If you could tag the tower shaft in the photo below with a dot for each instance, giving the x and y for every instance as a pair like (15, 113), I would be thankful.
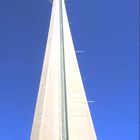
(62, 111)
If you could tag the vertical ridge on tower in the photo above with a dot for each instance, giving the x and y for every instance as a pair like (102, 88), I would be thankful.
(65, 135)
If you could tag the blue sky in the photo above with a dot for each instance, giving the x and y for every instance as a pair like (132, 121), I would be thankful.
(107, 30)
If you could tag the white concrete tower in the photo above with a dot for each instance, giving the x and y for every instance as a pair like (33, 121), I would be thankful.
(62, 111)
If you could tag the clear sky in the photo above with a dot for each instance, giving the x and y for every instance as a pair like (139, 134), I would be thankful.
(107, 30)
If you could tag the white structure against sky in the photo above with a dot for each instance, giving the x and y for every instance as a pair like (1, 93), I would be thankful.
(62, 111)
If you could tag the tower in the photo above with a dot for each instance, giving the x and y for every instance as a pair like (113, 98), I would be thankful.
(62, 111)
